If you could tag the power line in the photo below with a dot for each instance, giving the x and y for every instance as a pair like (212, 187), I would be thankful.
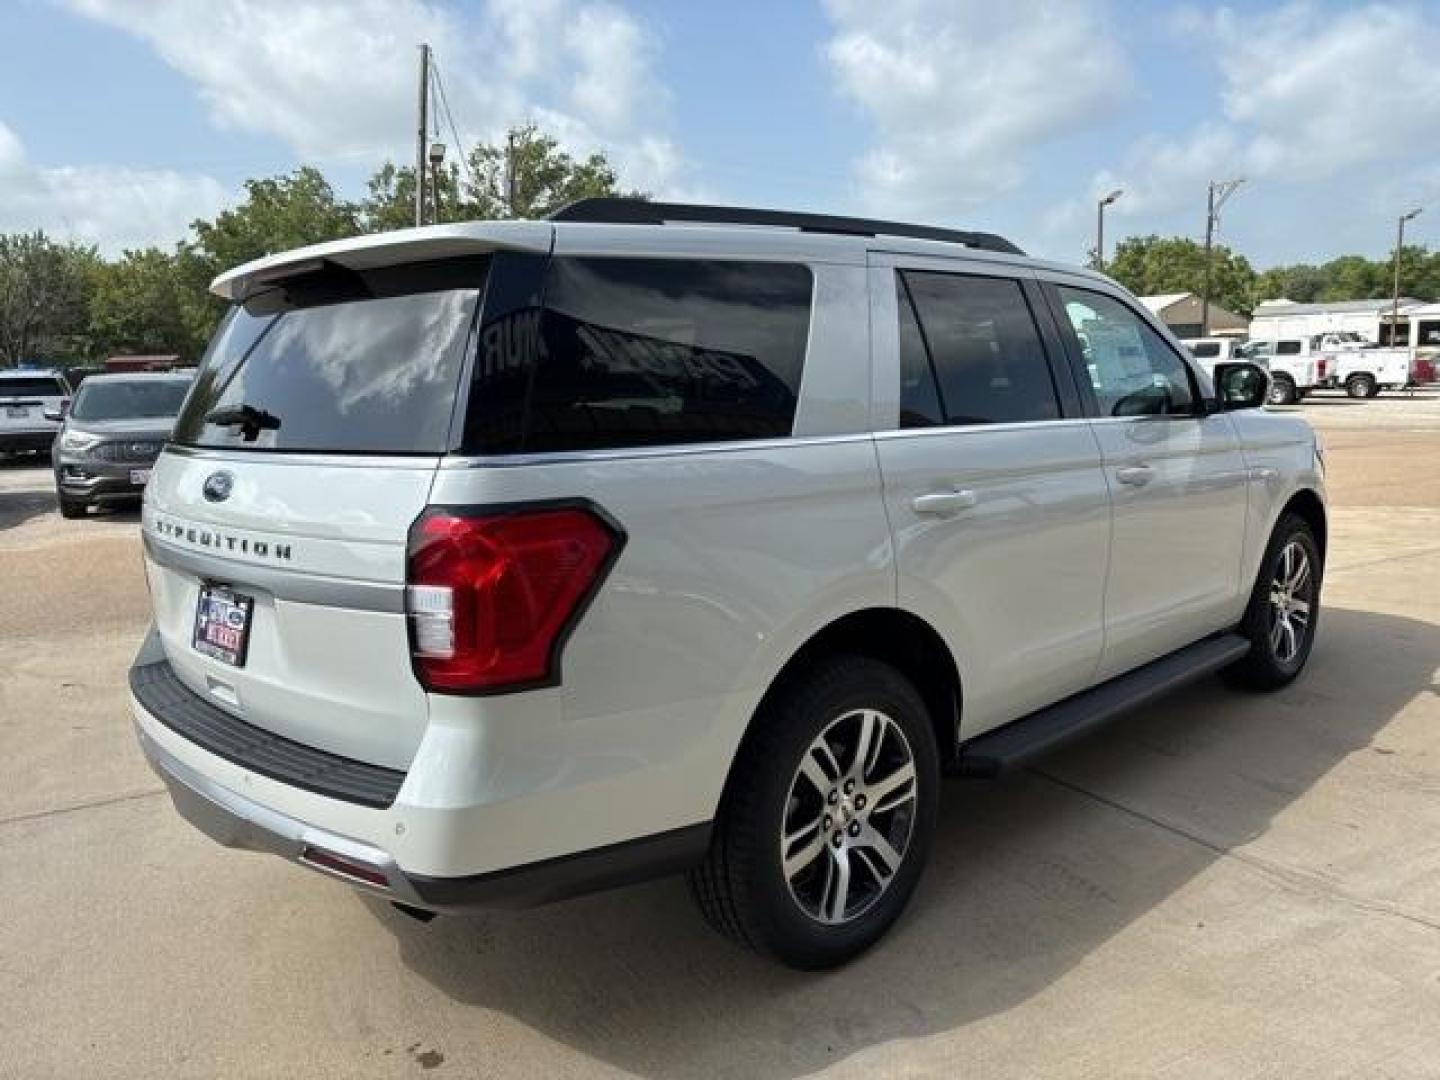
(450, 120)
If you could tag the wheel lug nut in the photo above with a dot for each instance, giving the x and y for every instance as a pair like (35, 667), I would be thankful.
(836, 839)
(859, 802)
(833, 797)
(854, 828)
(828, 821)
(849, 786)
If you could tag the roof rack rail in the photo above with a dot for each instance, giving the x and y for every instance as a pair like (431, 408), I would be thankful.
(622, 211)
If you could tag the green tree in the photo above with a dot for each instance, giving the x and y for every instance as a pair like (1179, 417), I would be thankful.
(278, 213)
(529, 176)
(143, 303)
(1147, 265)
(44, 294)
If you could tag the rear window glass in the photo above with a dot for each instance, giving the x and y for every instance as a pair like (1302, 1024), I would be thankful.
(36, 387)
(101, 399)
(637, 352)
(339, 362)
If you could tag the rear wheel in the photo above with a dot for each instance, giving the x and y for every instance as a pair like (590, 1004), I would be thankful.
(1284, 608)
(1361, 386)
(828, 817)
(1282, 391)
(73, 508)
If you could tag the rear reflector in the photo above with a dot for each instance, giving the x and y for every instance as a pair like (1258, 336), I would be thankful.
(492, 596)
(328, 860)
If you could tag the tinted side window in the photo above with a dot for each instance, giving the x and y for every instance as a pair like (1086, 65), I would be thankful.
(919, 394)
(641, 352)
(1132, 370)
(1287, 348)
(1205, 350)
(979, 343)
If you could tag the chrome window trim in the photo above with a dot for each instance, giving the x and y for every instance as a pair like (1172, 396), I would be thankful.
(302, 457)
(560, 457)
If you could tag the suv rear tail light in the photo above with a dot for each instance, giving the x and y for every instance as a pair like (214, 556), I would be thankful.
(1320, 367)
(491, 596)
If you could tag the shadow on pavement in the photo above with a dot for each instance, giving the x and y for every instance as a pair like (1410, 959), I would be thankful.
(1027, 878)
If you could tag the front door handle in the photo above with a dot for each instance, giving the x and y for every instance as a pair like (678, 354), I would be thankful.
(1135, 475)
(944, 502)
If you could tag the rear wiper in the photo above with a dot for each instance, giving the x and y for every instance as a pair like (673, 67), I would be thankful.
(248, 418)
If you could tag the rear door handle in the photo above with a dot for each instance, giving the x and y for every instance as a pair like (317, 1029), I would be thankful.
(1135, 475)
(944, 502)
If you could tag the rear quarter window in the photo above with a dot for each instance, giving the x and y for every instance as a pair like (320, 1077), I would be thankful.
(609, 353)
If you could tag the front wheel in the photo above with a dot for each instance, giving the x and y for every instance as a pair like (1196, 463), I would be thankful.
(1284, 608)
(1282, 391)
(827, 820)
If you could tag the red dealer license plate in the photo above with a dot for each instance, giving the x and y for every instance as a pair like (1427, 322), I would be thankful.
(222, 624)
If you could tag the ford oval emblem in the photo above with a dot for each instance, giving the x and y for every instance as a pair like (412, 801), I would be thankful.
(217, 486)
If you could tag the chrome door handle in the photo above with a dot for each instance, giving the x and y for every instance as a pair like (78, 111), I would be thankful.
(944, 502)
(1135, 475)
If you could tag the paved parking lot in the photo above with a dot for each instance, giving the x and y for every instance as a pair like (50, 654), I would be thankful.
(1221, 885)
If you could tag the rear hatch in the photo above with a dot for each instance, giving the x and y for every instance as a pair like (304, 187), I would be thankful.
(24, 400)
(276, 520)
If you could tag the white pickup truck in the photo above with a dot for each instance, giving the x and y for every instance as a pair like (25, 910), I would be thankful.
(1363, 373)
(1296, 365)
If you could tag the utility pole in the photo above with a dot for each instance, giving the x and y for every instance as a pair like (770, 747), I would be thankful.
(510, 172)
(424, 109)
(1395, 296)
(1220, 190)
(1100, 227)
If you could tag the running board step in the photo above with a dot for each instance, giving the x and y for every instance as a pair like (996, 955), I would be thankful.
(999, 751)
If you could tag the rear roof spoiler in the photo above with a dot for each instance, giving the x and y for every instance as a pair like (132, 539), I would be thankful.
(388, 249)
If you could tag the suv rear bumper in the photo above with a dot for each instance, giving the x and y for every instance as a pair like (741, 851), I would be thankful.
(237, 822)
(231, 790)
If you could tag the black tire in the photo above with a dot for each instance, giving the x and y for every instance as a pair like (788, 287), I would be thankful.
(742, 887)
(73, 508)
(1282, 391)
(1271, 664)
(1361, 386)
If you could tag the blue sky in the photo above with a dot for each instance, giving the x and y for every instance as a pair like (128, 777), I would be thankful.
(121, 120)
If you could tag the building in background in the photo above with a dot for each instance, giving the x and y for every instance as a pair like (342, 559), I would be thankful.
(1181, 313)
(1370, 319)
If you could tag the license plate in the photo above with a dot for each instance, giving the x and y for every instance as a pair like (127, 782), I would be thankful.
(139, 477)
(222, 624)
(16, 411)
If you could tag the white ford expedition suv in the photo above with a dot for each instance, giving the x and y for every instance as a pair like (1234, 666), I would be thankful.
(496, 562)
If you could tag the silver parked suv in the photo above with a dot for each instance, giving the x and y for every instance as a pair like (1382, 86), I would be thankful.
(496, 562)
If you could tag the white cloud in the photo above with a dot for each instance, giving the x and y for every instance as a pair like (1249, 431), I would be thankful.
(1307, 96)
(335, 80)
(961, 92)
(113, 208)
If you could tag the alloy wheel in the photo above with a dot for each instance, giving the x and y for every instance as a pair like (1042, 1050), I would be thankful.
(1291, 600)
(849, 816)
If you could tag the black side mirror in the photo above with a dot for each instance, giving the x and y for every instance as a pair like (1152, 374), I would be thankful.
(1240, 386)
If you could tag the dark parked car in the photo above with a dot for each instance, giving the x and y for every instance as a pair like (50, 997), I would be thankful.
(111, 437)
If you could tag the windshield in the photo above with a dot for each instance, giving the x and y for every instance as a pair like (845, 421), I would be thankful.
(131, 399)
(339, 362)
(40, 386)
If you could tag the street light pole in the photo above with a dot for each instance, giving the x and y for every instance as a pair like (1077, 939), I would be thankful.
(423, 118)
(1220, 190)
(1395, 295)
(1100, 227)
